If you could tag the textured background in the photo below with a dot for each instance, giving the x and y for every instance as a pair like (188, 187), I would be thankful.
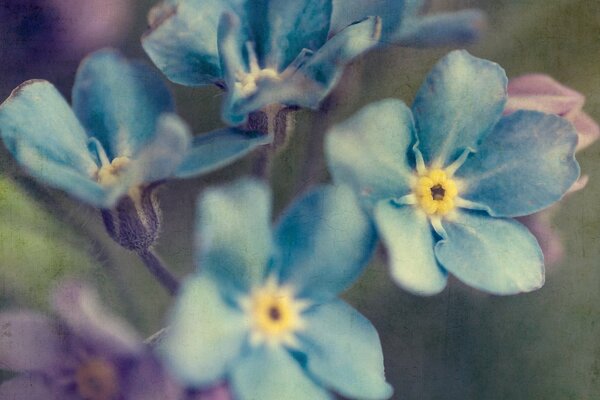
(460, 344)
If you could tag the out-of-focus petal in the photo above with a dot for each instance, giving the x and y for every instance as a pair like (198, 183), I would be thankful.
(28, 387)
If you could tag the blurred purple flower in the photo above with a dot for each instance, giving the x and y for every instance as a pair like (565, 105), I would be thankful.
(88, 355)
(540, 92)
(46, 38)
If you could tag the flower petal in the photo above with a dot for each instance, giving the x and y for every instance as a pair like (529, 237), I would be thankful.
(28, 387)
(161, 157)
(234, 234)
(283, 29)
(460, 101)
(28, 342)
(182, 40)
(370, 151)
(408, 238)
(271, 373)
(346, 12)
(205, 335)
(325, 241)
(80, 308)
(343, 352)
(149, 381)
(587, 129)
(119, 102)
(217, 149)
(36, 116)
(443, 29)
(526, 164)
(327, 64)
(496, 255)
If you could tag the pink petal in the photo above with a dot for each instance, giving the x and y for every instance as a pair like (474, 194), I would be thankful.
(587, 128)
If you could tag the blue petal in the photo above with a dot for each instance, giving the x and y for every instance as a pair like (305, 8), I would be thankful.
(205, 334)
(461, 27)
(343, 352)
(496, 255)
(327, 64)
(271, 373)
(393, 12)
(160, 158)
(282, 29)
(234, 234)
(119, 102)
(369, 151)
(182, 40)
(460, 101)
(526, 164)
(408, 238)
(217, 149)
(324, 241)
(37, 117)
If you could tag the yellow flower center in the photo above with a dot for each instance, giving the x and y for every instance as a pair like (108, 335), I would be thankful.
(97, 380)
(274, 314)
(108, 174)
(247, 82)
(435, 192)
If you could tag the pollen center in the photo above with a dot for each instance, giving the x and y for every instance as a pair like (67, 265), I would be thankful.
(247, 82)
(435, 192)
(108, 174)
(274, 313)
(97, 380)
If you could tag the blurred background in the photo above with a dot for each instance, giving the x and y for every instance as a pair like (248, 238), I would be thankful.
(460, 344)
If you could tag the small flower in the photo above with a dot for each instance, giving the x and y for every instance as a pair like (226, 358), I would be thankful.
(265, 53)
(444, 180)
(120, 137)
(403, 22)
(262, 312)
(86, 355)
(542, 93)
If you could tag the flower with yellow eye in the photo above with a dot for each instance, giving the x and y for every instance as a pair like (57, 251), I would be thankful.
(444, 180)
(263, 314)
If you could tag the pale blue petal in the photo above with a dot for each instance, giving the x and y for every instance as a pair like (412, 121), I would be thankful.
(409, 240)
(460, 27)
(162, 156)
(496, 255)
(217, 149)
(369, 151)
(182, 40)
(58, 175)
(234, 234)
(327, 64)
(460, 101)
(343, 352)
(525, 164)
(325, 241)
(37, 117)
(271, 373)
(393, 12)
(205, 334)
(282, 29)
(119, 102)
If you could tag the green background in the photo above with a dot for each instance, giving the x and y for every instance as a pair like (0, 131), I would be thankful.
(461, 344)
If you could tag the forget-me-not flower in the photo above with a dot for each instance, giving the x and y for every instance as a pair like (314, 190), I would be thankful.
(262, 313)
(404, 24)
(444, 180)
(86, 354)
(264, 53)
(121, 135)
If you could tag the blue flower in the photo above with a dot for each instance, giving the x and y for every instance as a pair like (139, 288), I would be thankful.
(444, 180)
(262, 52)
(403, 23)
(262, 312)
(121, 134)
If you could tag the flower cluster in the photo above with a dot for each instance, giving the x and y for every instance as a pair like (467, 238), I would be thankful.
(442, 185)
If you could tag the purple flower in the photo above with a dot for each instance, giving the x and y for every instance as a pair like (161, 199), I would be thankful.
(540, 92)
(86, 355)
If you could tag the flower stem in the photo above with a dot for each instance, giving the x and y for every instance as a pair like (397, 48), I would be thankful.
(157, 267)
